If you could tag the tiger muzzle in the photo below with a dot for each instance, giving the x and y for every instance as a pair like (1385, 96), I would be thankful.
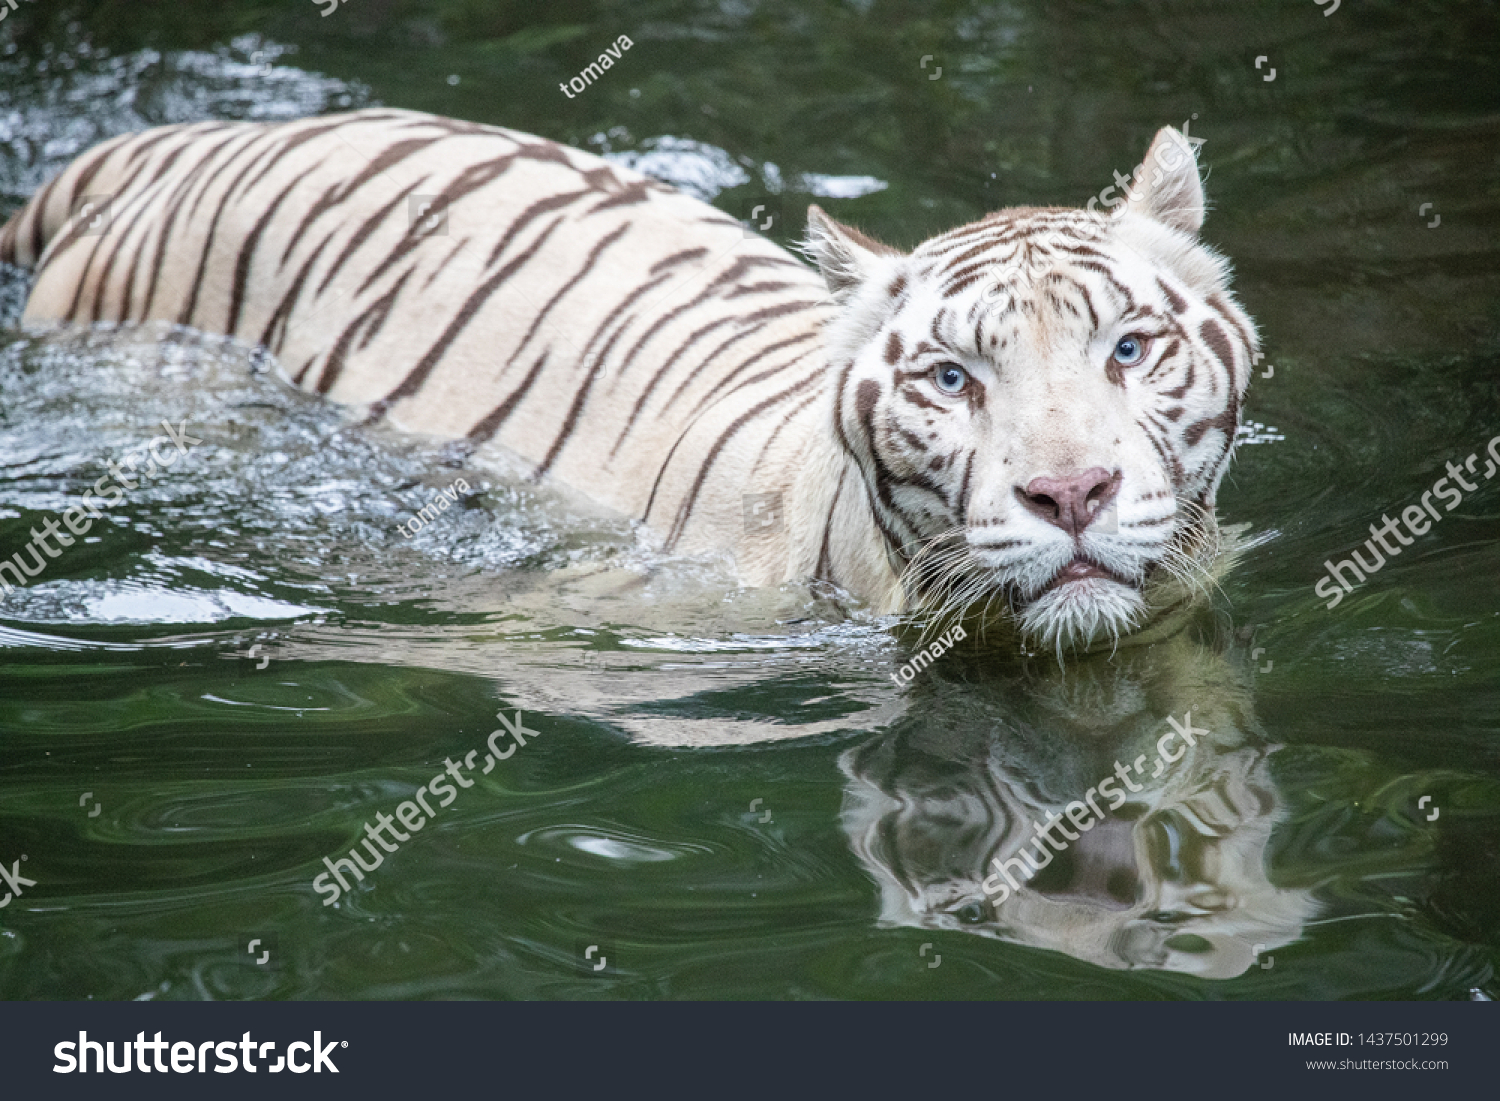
(1073, 503)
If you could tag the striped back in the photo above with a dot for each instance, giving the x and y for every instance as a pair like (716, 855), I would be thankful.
(463, 281)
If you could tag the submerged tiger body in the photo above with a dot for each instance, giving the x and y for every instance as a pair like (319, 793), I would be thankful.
(942, 430)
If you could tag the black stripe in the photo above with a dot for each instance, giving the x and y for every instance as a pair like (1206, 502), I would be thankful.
(666, 318)
(374, 317)
(382, 310)
(982, 247)
(1227, 312)
(1168, 459)
(491, 423)
(532, 212)
(786, 419)
(281, 315)
(760, 288)
(753, 319)
(677, 258)
(36, 211)
(142, 205)
(286, 145)
(961, 277)
(1225, 421)
(362, 234)
(1177, 392)
(963, 492)
(546, 151)
(824, 571)
(570, 422)
(1175, 300)
(1166, 360)
(251, 135)
(413, 381)
(1109, 277)
(721, 384)
(185, 317)
(866, 395)
(469, 180)
(662, 470)
(76, 231)
(685, 510)
(584, 269)
(626, 196)
(246, 256)
(458, 246)
(171, 222)
(760, 377)
(1217, 339)
(340, 192)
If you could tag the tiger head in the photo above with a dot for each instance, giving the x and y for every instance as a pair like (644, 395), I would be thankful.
(1043, 402)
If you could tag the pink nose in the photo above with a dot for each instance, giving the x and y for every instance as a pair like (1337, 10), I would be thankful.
(1071, 503)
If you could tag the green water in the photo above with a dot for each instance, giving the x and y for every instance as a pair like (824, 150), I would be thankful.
(727, 794)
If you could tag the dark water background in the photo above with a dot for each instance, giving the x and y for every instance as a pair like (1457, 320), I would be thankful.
(740, 870)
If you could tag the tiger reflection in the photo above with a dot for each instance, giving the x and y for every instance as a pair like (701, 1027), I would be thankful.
(949, 811)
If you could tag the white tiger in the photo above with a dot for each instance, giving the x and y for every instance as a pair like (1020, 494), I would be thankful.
(1024, 420)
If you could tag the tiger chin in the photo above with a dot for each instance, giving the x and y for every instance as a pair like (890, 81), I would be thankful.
(1020, 424)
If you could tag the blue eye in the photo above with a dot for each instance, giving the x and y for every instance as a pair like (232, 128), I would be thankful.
(971, 913)
(950, 378)
(1132, 349)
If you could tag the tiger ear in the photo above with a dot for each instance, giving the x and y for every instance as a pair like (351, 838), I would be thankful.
(844, 255)
(1166, 185)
